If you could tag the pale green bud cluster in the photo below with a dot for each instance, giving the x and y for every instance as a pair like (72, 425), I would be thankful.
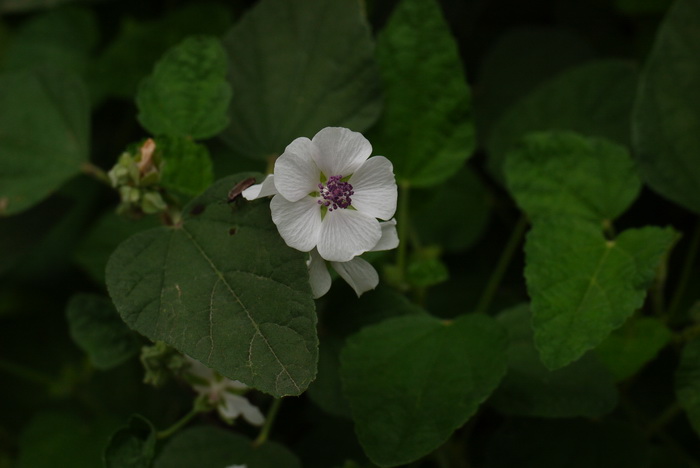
(137, 177)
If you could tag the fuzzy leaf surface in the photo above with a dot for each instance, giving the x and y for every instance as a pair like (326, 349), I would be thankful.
(428, 377)
(427, 127)
(566, 174)
(187, 94)
(584, 286)
(223, 288)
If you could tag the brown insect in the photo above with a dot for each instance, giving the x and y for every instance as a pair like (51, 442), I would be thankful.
(237, 189)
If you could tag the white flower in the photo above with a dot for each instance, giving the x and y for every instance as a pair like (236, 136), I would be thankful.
(237, 466)
(224, 394)
(358, 273)
(328, 194)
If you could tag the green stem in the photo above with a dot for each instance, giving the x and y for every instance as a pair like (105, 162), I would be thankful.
(196, 409)
(403, 229)
(673, 314)
(502, 266)
(96, 173)
(269, 420)
(26, 373)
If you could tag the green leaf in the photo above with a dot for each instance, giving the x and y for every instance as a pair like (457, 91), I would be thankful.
(631, 346)
(298, 66)
(27, 5)
(132, 446)
(533, 54)
(583, 388)
(129, 58)
(223, 288)
(58, 438)
(427, 127)
(532, 443)
(688, 382)
(102, 239)
(187, 94)
(98, 330)
(44, 125)
(594, 99)
(666, 120)
(61, 38)
(211, 447)
(411, 381)
(188, 167)
(584, 286)
(565, 174)
(465, 193)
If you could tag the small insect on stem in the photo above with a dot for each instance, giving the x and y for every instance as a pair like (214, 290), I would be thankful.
(237, 189)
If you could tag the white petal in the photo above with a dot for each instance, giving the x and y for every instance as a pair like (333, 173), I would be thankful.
(375, 188)
(347, 233)
(319, 277)
(299, 223)
(341, 151)
(296, 173)
(358, 273)
(265, 189)
(235, 384)
(390, 238)
(236, 404)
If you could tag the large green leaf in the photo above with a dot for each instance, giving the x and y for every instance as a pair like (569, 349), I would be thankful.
(666, 125)
(187, 94)
(427, 127)
(98, 330)
(44, 124)
(631, 346)
(224, 288)
(594, 99)
(211, 447)
(583, 286)
(296, 67)
(688, 382)
(583, 388)
(411, 381)
(565, 174)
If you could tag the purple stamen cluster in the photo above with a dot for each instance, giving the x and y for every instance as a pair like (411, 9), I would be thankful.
(335, 193)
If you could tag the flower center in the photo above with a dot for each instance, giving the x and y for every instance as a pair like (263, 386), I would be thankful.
(335, 193)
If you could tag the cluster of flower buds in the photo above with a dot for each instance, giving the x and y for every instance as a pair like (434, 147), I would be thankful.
(137, 176)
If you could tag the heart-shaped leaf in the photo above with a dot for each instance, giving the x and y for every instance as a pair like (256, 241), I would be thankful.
(222, 287)
(427, 378)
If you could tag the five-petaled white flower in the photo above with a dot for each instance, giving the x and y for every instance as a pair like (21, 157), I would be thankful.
(330, 195)
(224, 393)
